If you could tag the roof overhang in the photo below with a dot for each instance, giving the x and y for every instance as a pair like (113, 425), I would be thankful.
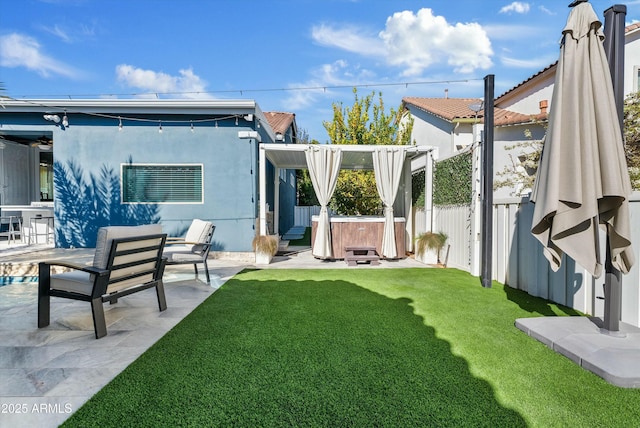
(131, 106)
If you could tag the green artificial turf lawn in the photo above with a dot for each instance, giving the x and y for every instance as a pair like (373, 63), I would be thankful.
(358, 347)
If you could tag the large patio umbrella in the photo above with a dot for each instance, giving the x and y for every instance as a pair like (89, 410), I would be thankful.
(582, 179)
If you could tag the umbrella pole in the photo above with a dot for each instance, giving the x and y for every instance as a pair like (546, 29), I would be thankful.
(614, 49)
(612, 296)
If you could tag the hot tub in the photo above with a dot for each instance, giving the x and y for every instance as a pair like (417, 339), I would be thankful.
(360, 231)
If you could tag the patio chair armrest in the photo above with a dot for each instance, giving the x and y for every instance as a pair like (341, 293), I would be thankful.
(85, 268)
(179, 241)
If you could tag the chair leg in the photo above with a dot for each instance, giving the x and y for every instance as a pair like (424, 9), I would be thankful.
(206, 271)
(162, 301)
(195, 268)
(44, 284)
(99, 323)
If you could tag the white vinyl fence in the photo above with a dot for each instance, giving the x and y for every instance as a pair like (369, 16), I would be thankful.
(518, 260)
(302, 215)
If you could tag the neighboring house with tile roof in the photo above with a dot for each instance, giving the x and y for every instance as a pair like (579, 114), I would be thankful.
(450, 125)
(520, 114)
(284, 126)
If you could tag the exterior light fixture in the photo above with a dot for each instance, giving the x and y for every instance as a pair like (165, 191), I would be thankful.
(52, 118)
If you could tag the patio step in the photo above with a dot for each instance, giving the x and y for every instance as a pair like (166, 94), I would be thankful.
(295, 233)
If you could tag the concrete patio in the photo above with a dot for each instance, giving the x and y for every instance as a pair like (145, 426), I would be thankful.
(47, 374)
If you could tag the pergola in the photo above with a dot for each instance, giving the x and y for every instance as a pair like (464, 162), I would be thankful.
(352, 157)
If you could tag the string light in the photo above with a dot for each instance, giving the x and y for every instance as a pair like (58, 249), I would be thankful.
(243, 91)
(65, 119)
(56, 119)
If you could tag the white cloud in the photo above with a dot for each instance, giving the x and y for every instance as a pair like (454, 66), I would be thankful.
(517, 7)
(185, 85)
(337, 74)
(17, 50)
(418, 41)
(415, 42)
(531, 63)
(59, 32)
(349, 38)
(545, 10)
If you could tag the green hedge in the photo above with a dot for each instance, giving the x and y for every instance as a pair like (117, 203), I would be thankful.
(452, 181)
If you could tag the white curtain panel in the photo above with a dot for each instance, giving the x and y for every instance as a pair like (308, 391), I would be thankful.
(324, 166)
(388, 165)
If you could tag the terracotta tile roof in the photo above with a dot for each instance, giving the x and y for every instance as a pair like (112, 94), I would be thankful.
(503, 117)
(279, 121)
(446, 108)
(458, 108)
(632, 27)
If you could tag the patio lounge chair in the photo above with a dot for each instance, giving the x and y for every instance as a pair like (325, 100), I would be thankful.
(193, 248)
(127, 259)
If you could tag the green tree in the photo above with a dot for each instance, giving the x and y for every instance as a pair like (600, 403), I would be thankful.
(365, 122)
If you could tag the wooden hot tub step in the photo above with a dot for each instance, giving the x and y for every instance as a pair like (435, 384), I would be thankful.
(354, 254)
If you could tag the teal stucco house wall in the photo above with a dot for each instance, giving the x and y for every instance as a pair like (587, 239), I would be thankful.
(122, 162)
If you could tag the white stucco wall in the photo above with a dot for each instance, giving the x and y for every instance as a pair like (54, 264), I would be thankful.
(527, 100)
(445, 136)
(631, 62)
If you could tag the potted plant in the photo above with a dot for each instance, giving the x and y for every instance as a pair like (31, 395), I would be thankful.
(265, 247)
(428, 246)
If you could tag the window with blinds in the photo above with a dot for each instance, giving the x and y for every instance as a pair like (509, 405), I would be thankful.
(144, 183)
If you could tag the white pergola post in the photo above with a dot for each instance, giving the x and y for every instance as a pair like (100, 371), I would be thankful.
(428, 192)
(276, 201)
(262, 167)
(408, 206)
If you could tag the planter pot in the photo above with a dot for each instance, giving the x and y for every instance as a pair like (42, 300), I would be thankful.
(263, 258)
(429, 257)
(265, 248)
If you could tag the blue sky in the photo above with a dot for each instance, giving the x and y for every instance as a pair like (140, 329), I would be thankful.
(298, 56)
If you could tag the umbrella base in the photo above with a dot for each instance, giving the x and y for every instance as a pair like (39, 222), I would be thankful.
(583, 341)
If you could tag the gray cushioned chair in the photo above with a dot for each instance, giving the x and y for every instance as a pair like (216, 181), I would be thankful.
(193, 248)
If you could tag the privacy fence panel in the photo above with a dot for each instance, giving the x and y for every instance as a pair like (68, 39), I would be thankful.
(302, 215)
(519, 263)
(454, 221)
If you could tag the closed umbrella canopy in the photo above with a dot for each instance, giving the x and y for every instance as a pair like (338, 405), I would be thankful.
(582, 179)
